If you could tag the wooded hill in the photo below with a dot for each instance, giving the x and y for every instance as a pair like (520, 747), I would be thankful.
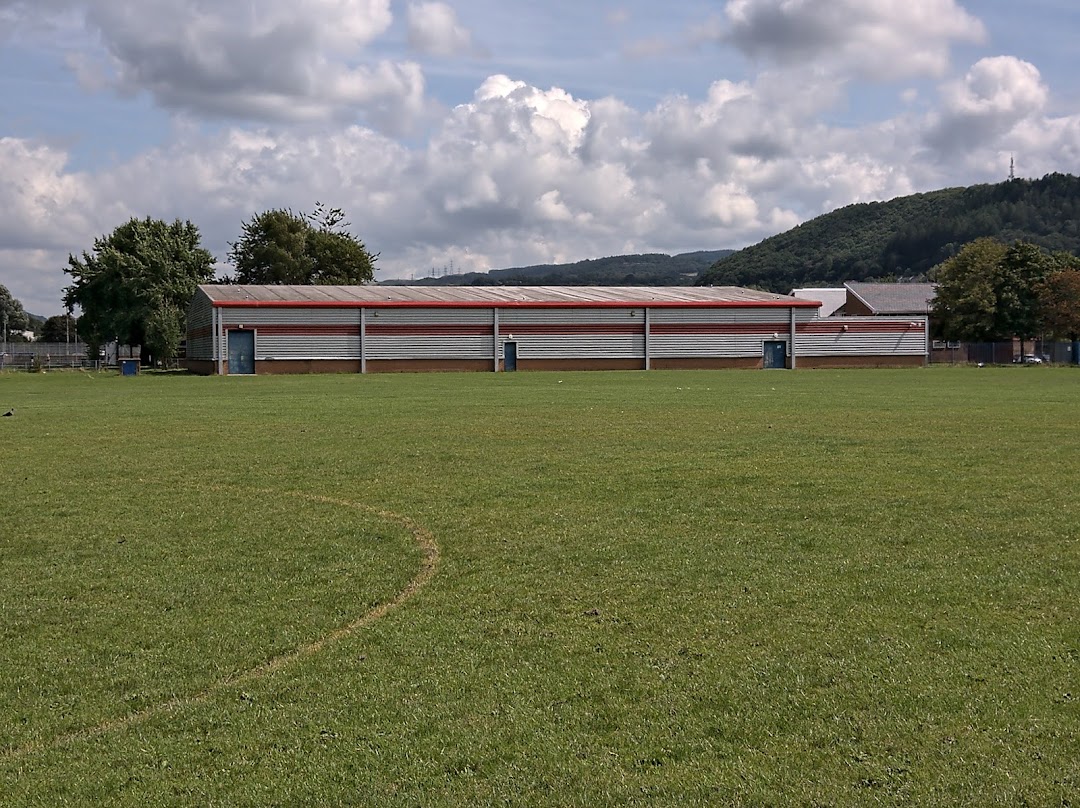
(907, 236)
(650, 269)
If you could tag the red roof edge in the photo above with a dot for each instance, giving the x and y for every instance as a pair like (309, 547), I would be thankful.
(511, 304)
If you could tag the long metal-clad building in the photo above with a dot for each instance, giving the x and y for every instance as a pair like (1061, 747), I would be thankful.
(363, 329)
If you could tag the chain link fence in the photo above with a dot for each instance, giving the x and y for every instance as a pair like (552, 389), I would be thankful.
(33, 356)
(1032, 352)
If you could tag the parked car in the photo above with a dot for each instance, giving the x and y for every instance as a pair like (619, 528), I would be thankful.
(1028, 359)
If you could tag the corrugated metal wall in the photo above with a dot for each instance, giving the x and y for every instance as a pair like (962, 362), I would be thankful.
(720, 316)
(252, 317)
(862, 336)
(431, 347)
(727, 332)
(296, 346)
(443, 333)
(200, 330)
(574, 333)
(555, 316)
(551, 333)
(283, 333)
(701, 345)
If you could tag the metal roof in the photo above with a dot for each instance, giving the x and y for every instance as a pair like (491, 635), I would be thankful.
(229, 295)
(894, 298)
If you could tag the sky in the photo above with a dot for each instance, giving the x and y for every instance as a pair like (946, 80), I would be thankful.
(484, 134)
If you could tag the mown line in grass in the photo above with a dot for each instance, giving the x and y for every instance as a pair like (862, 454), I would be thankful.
(425, 540)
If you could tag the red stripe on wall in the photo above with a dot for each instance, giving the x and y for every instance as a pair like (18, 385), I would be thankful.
(420, 329)
(857, 328)
(571, 328)
(719, 328)
(469, 330)
(307, 330)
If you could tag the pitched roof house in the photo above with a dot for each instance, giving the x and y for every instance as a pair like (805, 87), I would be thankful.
(897, 299)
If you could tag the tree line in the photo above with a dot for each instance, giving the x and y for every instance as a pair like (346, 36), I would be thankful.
(134, 285)
(643, 269)
(908, 236)
(990, 291)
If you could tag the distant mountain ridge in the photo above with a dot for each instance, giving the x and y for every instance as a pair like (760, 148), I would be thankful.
(907, 236)
(646, 269)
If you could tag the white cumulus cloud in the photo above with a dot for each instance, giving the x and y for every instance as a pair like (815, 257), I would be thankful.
(996, 95)
(879, 39)
(262, 60)
(434, 29)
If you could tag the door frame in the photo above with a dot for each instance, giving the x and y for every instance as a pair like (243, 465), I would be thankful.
(228, 349)
(510, 349)
(770, 350)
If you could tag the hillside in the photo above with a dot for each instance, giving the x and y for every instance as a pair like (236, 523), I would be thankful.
(907, 236)
(650, 269)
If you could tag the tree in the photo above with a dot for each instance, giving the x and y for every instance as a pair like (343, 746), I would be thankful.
(281, 247)
(13, 318)
(1059, 303)
(60, 328)
(1023, 268)
(164, 330)
(987, 291)
(966, 306)
(143, 272)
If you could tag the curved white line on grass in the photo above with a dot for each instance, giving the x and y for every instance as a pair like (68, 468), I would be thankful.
(428, 564)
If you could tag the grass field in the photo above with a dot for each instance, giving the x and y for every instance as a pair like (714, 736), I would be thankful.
(684, 588)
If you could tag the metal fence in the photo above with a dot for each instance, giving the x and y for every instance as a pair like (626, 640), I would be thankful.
(44, 355)
(37, 356)
(1033, 352)
(55, 355)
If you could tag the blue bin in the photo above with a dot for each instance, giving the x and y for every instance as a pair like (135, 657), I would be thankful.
(129, 367)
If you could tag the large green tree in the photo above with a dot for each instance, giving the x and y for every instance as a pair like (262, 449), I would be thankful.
(988, 291)
(136, 284)
(282, 247)
(1059, 302)
(59, 328)
(965, 306)
(1023, 268)
(12, 314)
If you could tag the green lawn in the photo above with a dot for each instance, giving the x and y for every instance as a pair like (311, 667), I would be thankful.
(663, 588)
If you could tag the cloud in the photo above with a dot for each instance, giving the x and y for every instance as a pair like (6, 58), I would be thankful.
(618, 16)
(433, 29)
(887, 39)
(520, 174)
(995, 96)
(649, 48)
(265, 60)
(40, 202)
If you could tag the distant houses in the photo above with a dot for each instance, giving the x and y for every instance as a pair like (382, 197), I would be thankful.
(856, 299)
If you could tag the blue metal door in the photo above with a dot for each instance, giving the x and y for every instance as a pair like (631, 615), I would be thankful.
(241, 352)
(775, 354)
(510, 356)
